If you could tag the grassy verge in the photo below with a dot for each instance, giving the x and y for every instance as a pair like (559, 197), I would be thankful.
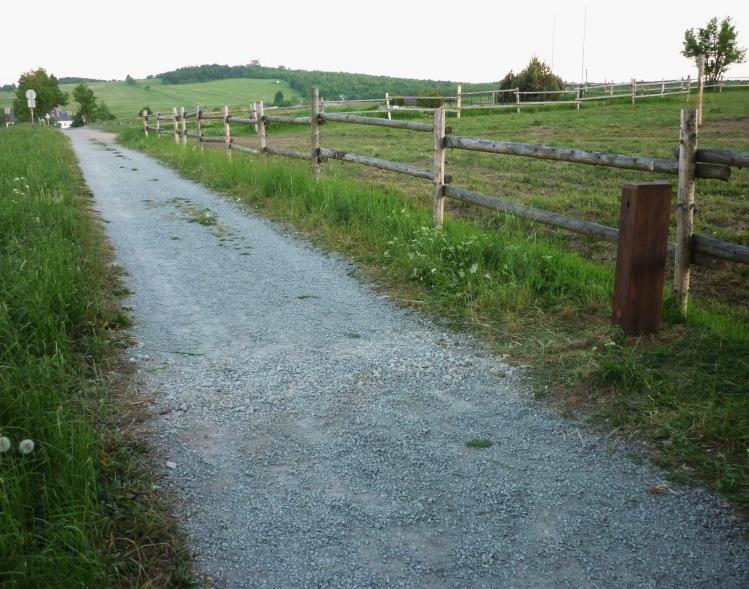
(79, 510)
(682, 392)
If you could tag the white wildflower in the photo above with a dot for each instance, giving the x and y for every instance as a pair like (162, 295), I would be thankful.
(26, 446)
(4, 444)
(474, 268)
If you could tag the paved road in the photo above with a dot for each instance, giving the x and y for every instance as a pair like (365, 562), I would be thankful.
(316, 433)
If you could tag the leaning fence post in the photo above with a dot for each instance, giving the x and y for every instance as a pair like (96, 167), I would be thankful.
(641, 254)
(387, 106)
(175, 124)
(314, 94)
(145, 122)
(438, 200)
(260, 118)
(700, 86)
(685, 206)
(459, 99)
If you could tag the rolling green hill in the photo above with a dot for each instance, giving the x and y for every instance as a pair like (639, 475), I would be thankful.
(125, 100)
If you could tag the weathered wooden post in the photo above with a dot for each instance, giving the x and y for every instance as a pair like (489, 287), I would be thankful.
(689, 86)
(158, 123)
(459, 100)
(183, 125)
(517, 100)
(700, 86)
(227, 130)
(663, 87)
(314, 94)
(577, 99)
(388, 107)
(145, 122)
(438, 200)
(260, 118)
(199, 118)
(175, 124)
(634, 90)
(641, 256)
(685, 206)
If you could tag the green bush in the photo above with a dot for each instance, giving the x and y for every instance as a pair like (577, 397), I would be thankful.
(537, 76)
(430, 99)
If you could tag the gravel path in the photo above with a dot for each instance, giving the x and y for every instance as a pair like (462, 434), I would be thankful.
(317, 433)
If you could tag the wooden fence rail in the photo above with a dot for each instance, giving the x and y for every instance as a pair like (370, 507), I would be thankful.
(692, 164)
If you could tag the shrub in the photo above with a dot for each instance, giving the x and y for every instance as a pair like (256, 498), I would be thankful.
(430, 99)
(278, 99)
(537, 76)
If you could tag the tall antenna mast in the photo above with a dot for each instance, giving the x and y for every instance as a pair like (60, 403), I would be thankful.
(582, 65)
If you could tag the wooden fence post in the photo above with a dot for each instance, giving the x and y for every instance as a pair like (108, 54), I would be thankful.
(700, 86)
(438, 200)
(685, 206)
(183, 121)
(158, 124)
(227, 130)
(517, 100)
(175, 124)
(198, 118)
(459, 99)
(641, 256)
(634, 90)
(314, 94)
(663, 87)
(145, 122)
(388, 108)
(577, 99)
(260, 118)
(689, 86)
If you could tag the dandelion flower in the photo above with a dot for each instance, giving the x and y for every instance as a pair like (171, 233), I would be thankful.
(26, 446)
(4, 444)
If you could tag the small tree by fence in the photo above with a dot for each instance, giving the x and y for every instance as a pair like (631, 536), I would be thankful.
(692, 164)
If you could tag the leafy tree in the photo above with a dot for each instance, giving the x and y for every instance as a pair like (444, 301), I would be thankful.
(102, 112)
(48, 94)
(278, 99)
(435, 102)
(130, 81)
(86, 100)
(8, 87)
(717, 42)
(537, 76)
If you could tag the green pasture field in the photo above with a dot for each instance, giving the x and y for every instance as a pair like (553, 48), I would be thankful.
(540, 295)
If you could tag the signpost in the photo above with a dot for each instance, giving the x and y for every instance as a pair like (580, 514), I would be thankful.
(31, 102)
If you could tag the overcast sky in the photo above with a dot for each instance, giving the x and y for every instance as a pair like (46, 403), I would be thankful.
(456, 40)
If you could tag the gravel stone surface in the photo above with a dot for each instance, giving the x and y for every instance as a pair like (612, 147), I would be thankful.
(316, 433)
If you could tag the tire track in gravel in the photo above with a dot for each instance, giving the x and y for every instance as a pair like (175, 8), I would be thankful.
(319, 431)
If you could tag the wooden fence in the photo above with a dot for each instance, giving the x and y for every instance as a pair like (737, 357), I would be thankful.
(692, 164)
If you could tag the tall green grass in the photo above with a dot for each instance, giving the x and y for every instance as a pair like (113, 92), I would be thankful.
(684, 391)
(58, 505)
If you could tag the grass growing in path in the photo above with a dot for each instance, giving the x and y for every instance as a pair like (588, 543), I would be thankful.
(684, 391)
(78, 511)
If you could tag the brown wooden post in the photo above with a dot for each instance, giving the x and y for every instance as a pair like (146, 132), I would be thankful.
(685, 206)
(183, 126)
(227, 130)
(260, 117)
(175, 124)
(145, 122)
(641, 256)
(314, 94)
(459, 100)
(158, 124)
(198, 118)
(438, 200)
(700, 86)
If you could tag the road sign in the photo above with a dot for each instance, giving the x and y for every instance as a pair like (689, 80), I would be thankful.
(31, 103)
(30, 94)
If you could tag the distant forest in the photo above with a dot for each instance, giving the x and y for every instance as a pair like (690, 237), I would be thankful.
(333, 85)
(74, 80)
